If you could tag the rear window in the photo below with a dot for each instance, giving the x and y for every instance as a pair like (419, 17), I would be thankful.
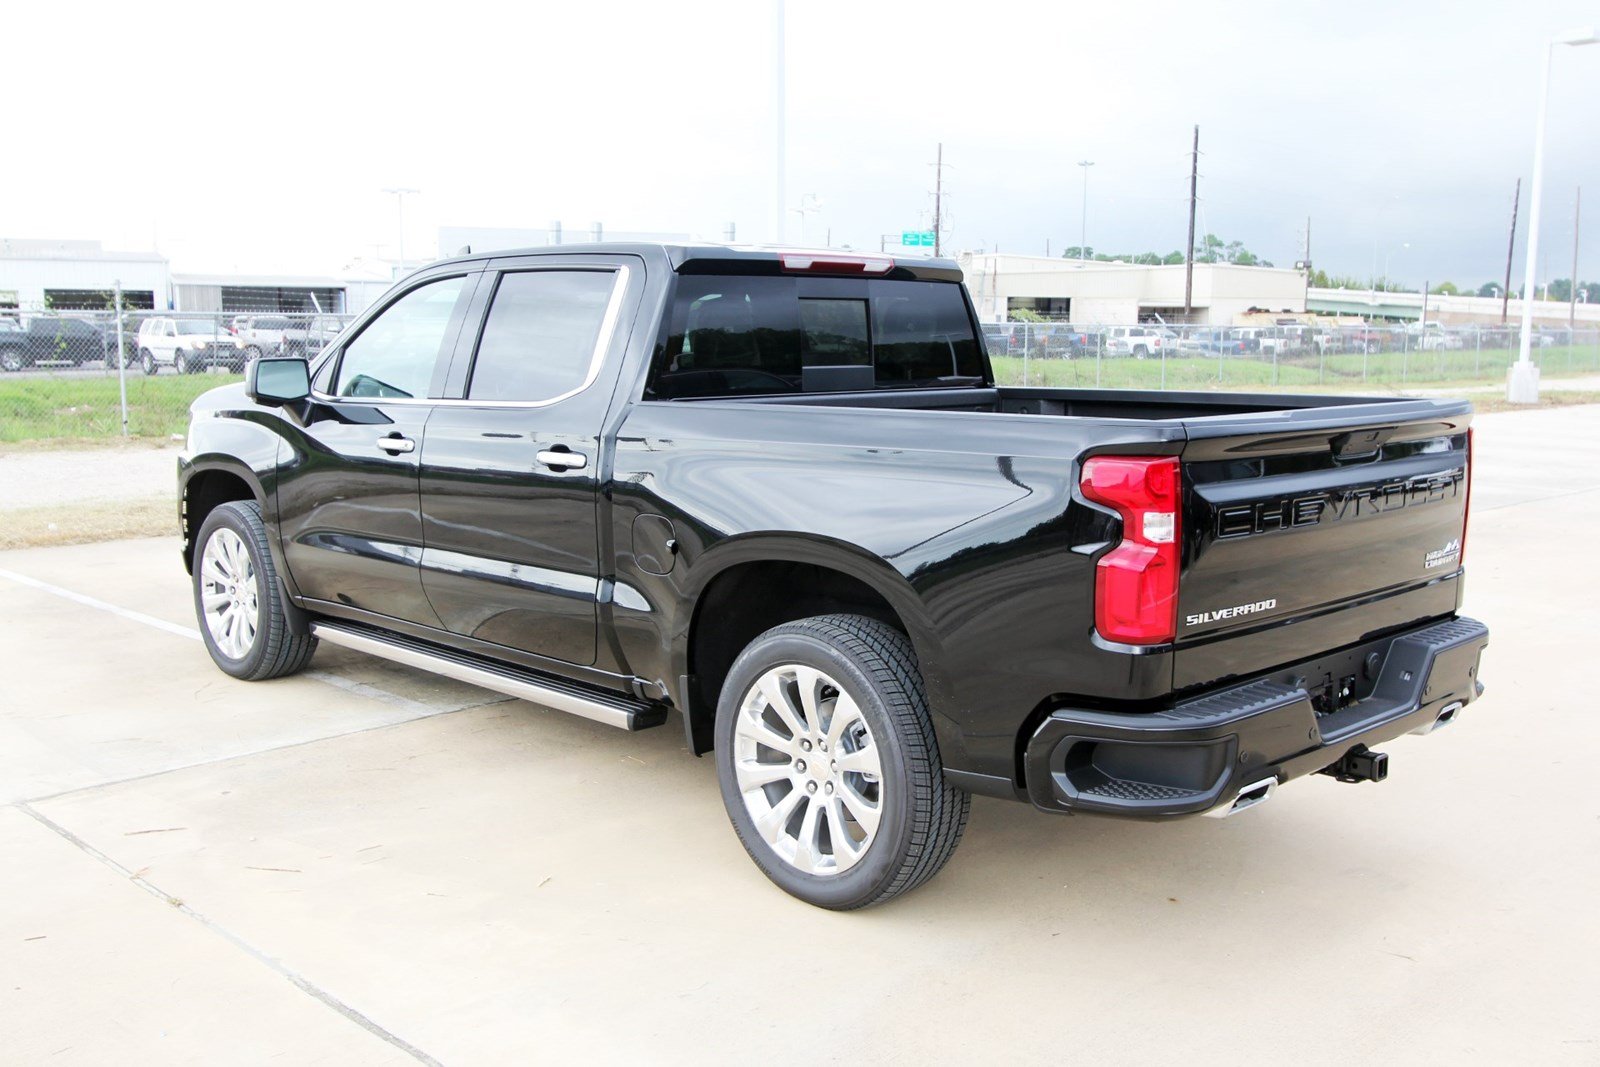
(742, 335)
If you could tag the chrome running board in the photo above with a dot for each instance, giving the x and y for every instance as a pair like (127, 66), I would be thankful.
(612, 709)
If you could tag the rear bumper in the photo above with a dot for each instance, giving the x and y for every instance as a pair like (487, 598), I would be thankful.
(1197, 756)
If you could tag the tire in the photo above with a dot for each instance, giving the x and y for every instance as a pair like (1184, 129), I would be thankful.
(232, 561)
(147, 360)
(10, 359)
(180, 362)
(1140, 352)
(917, 817)
(251, 354)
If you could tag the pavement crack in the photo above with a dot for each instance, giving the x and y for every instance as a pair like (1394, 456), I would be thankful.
(301, 983)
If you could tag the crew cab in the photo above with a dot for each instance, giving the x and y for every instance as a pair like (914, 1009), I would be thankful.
(777, 497)
(50, 340)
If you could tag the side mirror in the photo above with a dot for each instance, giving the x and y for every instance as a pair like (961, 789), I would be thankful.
(278, 380)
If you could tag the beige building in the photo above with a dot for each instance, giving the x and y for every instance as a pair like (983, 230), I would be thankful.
(1109, 293)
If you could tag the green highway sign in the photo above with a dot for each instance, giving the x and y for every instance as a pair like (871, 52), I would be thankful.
(916, 238)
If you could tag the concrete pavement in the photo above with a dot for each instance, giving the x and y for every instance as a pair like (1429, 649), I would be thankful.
(366, 864)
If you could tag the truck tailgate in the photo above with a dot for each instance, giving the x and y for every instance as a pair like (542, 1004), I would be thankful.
(1326, 529)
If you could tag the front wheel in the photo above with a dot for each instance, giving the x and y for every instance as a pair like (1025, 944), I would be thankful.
(180, 362)
(828, 765)
(10, 359)
(147, 360)
(238, 600)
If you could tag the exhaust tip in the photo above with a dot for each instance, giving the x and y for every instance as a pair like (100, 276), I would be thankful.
(1446, 716)
(1250, 796)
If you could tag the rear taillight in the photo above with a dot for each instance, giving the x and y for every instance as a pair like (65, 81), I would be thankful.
(1136, 583)
(1466, 510)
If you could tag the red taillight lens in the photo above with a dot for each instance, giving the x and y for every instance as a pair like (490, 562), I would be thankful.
(1466, 510)
(1136, 583)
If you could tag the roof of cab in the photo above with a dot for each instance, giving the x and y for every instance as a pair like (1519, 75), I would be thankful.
(718, 258)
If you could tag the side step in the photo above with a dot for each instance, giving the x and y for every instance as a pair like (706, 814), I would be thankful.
(613, 709)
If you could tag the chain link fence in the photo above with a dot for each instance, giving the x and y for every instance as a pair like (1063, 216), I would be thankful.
(85, 374)
(1298, 358)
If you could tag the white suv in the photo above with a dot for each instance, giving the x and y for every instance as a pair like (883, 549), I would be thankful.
(1138, 341)
(187, 345)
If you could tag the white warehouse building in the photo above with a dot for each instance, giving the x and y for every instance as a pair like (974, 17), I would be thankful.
(1109, 293)
(77, 276)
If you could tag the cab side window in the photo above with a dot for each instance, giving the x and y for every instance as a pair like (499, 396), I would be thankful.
(538, 342)
(395, 354)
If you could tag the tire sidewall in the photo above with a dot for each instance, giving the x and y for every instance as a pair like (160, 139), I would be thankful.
(865, 881)
(222, 517)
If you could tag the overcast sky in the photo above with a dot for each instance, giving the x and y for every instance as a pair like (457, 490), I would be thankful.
(259, 138)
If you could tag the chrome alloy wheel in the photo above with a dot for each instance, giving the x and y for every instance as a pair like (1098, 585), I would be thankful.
(229, 594)
(808, 769)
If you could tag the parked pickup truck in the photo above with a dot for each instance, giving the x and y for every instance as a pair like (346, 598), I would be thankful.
(777, 496)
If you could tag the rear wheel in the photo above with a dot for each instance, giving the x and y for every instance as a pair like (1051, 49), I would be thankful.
(828, 765)
(239, 601)
(10, 359)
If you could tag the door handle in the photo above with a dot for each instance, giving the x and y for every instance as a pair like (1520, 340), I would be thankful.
(563, 460)
(395, 444)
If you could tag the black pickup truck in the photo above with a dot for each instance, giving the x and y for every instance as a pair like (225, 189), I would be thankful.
(779, 493)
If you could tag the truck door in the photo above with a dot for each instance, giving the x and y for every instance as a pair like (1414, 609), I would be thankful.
(348, 499)
(511, 466)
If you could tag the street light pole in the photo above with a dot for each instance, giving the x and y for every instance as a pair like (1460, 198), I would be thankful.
(400, 223)
(1522, 385)
(1083, 232)
(780, 224)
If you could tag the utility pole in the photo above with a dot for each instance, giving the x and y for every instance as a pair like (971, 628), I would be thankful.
(1511, 248)
(780, 221)
(1572, 297)
(400, 231)
(1083, 233)
(938, 199)
(1188, 257)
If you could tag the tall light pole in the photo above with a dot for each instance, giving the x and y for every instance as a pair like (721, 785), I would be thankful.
(400, 223)
(780, 222)
(1083, 231)
(1522, 386)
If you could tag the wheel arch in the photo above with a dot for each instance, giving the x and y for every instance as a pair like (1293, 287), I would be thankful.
(206, 485)
(746, 585)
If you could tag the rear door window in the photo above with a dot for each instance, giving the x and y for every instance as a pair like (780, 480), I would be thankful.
(539, 340)
(744, 335)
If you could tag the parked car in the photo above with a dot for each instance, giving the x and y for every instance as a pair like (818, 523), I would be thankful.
(269, 335)
(1432, 337)
(1138, 341)
(188, 345)
(1216, 342)
(321, 330)
(1117, 604)
(1369, 339)
(1327, 342)
(50, 340)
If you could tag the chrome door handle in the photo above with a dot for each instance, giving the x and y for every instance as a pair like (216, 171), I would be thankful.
(563, 461)
(396, 444)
